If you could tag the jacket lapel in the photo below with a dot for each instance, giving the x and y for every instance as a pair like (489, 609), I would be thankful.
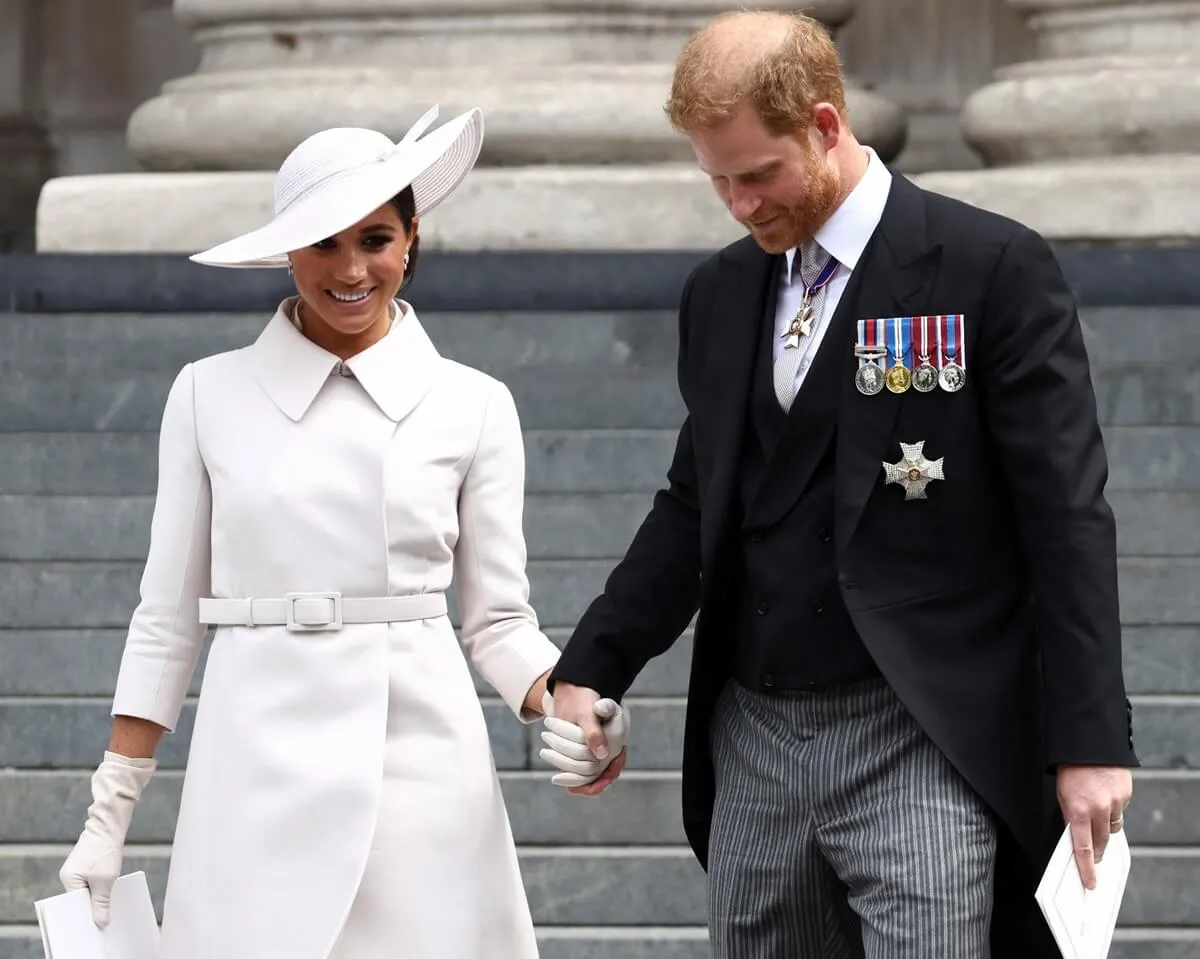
(900, 268)
(735, 320)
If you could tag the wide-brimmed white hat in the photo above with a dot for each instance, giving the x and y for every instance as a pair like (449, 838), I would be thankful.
(336, 177)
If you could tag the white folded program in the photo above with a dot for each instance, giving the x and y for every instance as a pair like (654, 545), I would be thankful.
(1083, 920)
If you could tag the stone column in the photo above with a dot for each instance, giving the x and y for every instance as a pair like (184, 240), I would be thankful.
(23, 142)
(1098, 139)
(577, 155)
(877, 121)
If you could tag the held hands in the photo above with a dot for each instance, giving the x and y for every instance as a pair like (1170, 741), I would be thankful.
(589, 752)
(95, 862)
(1093, 801)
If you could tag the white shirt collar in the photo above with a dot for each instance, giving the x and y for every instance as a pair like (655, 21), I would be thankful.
(396, 372)
(846, 233)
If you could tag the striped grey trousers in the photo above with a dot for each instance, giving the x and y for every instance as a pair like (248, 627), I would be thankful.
(841, 832)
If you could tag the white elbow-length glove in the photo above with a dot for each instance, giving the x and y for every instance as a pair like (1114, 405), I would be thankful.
(566, 747)
(95, 862)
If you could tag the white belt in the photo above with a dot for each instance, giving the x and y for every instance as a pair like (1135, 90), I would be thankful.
(310, 612)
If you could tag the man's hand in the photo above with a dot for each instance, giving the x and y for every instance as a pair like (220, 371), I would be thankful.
(577, 704)
(581, 742)
(1093, 801)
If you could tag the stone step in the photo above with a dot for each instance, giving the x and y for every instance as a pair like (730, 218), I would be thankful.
(582, 370)
(52, 733)
(112, 463)
(1153, 591)
(1151, 394)
(547, 397)
(559, 396)
(74, 344)
(97, 594)
(642, 808)
(1163, 458)
(53, 345)
(659, 886)
(1141, 335)
(84, 662)
(688, 942)
(557, 525)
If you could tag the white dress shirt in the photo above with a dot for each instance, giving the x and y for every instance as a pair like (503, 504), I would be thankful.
(844, 236)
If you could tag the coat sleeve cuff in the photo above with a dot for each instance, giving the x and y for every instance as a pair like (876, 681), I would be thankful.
(512, 663)
(146, 691)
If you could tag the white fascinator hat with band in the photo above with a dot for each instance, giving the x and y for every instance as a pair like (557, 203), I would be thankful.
(338, 176)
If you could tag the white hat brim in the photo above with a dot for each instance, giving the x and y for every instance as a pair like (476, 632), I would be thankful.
(433, 166)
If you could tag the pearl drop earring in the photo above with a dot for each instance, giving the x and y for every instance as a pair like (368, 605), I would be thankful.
(406, 261)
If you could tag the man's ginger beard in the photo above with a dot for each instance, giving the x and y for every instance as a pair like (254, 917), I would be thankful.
(800, 220)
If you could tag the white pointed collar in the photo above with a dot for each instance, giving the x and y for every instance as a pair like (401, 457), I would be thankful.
(396, 372)
(846, 233)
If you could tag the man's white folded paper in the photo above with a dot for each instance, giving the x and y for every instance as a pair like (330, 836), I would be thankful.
(1083, 920)
(69, 930)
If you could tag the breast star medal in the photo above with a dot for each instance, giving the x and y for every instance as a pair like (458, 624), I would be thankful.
(913, 471)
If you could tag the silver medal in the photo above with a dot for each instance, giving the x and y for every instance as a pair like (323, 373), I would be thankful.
(952, 377)
(925, 377)
(869, 378)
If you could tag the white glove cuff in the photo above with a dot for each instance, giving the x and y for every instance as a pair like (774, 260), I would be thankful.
(117, 785)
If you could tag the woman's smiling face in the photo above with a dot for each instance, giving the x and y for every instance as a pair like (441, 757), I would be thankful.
(348, 281)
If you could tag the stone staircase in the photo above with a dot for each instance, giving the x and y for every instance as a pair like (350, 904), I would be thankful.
(80, 399)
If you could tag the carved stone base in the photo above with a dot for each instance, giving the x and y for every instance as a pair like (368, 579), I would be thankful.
(663, 207)
(1132, 199)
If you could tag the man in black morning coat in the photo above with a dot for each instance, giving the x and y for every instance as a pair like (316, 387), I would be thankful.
(894, 665)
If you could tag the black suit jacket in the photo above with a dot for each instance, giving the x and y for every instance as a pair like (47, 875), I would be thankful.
(991, 607)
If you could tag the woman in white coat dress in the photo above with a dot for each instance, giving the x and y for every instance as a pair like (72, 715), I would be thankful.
(318, 491)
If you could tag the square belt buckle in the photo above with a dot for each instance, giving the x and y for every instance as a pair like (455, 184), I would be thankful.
(295, 626)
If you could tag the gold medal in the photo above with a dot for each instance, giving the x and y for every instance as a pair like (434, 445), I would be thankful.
(898, 379)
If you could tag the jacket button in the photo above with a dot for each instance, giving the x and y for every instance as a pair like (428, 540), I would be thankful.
(768, 680)
(818, 609)
(756, 537)
(825, 535)
(763, 609)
